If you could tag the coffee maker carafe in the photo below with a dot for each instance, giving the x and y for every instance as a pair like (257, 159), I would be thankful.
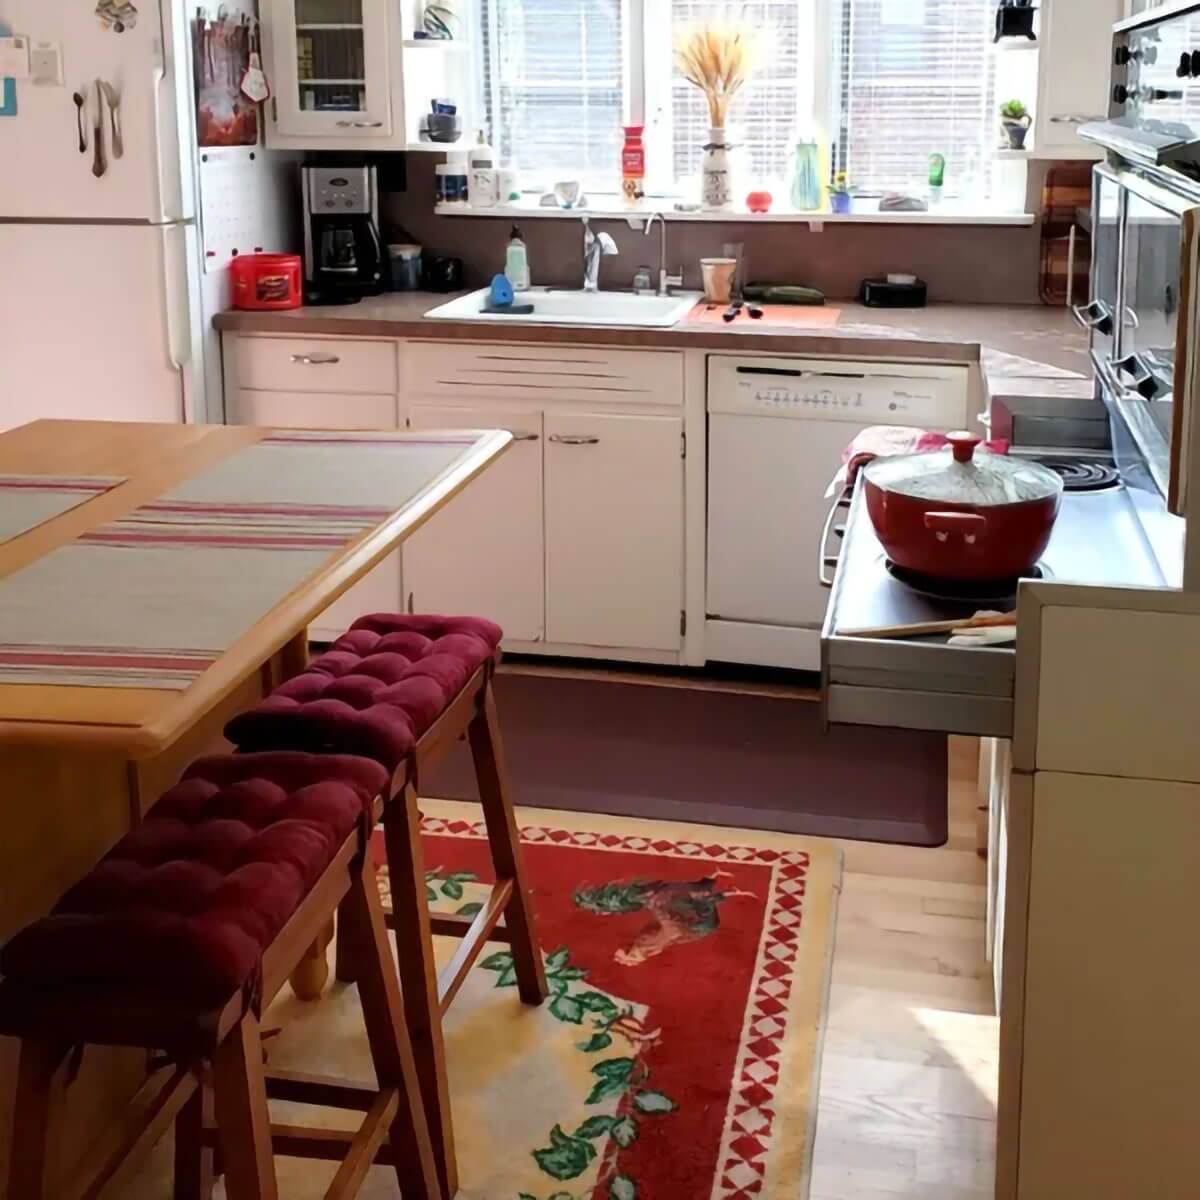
(343, 255)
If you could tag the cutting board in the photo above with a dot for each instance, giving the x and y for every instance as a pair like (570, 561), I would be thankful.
(791, 316)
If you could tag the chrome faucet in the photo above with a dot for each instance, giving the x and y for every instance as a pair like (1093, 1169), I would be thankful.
(666, 281)
(595, 245)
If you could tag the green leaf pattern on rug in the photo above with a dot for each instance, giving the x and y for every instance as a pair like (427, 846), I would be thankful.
(451, 885)
(569, 1155)
(566, 1157)
(621, 1187)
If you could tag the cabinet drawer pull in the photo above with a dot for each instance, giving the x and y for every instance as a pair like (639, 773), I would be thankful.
(525, 437)
(1075, 119)
(316, 360)
(574, 439)
(360, 124)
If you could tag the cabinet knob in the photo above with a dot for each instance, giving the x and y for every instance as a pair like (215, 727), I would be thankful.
(574, 439)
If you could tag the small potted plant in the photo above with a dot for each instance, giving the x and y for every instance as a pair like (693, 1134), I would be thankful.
(839, 198)
(1015, 121)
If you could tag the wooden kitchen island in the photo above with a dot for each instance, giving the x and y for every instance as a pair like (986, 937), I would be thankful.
(81, 760)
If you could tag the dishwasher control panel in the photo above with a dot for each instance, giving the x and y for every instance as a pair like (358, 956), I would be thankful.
(866, 393)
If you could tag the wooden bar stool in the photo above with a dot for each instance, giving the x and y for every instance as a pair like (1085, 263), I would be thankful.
(175, 943)
(401, 689)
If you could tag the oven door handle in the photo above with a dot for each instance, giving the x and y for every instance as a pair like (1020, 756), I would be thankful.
(827, 563)
(1097, 316)
(1146, 382)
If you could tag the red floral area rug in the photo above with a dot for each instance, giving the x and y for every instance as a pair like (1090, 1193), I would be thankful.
(677, 1057)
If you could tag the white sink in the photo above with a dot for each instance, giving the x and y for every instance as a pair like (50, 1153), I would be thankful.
(552, 307)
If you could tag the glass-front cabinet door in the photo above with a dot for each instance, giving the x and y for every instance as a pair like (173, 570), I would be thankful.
(332, 75)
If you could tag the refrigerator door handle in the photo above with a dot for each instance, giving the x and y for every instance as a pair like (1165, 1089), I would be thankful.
(175, 295)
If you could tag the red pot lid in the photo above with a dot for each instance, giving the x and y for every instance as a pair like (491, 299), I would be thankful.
(958, 475)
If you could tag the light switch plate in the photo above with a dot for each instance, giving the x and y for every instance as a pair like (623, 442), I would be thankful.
(14, 56)
(45, 64)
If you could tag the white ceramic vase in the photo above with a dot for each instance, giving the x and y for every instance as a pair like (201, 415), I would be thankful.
(716, 187)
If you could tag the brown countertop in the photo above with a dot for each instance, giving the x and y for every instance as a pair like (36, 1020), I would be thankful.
(1017, 341)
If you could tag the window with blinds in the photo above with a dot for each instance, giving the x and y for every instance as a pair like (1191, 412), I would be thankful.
(553, 87)
(888, 81)
(916, 78)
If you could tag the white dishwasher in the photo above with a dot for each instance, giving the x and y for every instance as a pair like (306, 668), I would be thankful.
(776, 431)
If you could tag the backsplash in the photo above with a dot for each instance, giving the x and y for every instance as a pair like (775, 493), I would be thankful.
(976, 264)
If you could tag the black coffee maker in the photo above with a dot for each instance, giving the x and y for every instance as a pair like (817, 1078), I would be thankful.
(343, 254)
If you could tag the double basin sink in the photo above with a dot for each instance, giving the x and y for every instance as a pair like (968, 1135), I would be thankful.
(555, 307)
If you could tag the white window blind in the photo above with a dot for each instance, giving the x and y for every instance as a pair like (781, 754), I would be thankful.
(764, 116)
(917, 78)
(553, 87)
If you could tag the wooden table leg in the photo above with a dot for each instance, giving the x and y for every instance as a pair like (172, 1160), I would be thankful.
(312, 973)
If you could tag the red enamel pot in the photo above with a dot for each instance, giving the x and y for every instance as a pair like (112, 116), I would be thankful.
(957, 514)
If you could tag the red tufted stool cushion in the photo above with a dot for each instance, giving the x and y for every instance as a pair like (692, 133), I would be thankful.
(180, 911)
(375, 691)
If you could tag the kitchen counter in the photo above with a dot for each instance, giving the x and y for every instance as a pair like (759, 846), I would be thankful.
(1020, 341)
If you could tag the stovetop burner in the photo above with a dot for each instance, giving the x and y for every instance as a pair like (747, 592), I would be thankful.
(1082, 474)
(961, 591)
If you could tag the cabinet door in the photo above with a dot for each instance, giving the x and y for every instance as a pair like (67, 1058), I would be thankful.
(332, 67)
(1074, 74)
(614, 530)
(483, 553)
(379, 591)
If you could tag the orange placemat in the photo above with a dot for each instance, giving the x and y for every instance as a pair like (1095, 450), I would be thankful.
(793, 316)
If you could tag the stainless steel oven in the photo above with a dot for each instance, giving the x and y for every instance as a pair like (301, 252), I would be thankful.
(1147, 361)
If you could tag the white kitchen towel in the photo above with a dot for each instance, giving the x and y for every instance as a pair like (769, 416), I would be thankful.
(27, 501)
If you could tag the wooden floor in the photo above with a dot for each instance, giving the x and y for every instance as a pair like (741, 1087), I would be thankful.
(908, 1081)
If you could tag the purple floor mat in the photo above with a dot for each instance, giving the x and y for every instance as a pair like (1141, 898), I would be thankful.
(715, 757)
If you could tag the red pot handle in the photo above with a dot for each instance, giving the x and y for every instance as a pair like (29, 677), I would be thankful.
(963, 445)
(970, 525)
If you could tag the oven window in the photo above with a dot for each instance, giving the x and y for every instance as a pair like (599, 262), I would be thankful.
(1153, 258)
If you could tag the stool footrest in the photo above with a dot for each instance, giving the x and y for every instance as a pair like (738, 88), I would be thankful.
(366, 1144)
(323, 1091)
(329, 1145)
(451, 977)
(453, 925)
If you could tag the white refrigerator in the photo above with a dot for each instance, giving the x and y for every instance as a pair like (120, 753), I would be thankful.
(100, 276)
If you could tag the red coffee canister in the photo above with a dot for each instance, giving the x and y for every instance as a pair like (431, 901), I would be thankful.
(266, 281)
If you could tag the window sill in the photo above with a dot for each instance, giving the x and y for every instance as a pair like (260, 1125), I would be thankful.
(948, 213)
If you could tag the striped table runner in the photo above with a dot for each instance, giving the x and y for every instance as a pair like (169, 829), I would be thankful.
(153, 599)
(27, 501)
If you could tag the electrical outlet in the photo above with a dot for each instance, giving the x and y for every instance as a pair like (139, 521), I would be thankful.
(46, 64)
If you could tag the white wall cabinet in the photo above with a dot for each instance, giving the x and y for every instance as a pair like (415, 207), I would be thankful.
(336, 67)
(614, 530)
(484, 552)
(1074, 68)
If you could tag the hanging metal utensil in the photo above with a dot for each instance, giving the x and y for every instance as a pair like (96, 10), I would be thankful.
(80, 105)
(99, 159)
(114, 113)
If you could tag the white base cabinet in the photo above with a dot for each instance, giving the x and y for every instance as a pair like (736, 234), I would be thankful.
(574, 540)
(313, 364)
(614, 530)
(484, 552)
